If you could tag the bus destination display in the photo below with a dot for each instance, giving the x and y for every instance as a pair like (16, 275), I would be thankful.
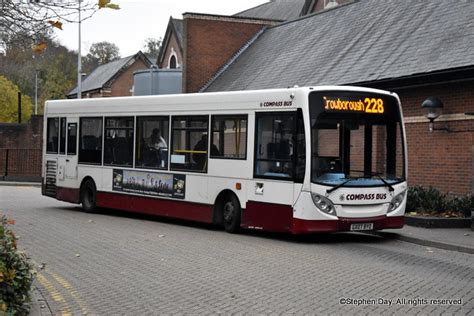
(365, 105)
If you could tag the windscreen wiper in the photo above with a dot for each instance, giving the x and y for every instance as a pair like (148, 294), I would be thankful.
(390, 188)
(340, 185)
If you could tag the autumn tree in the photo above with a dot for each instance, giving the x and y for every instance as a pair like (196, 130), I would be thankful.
(9, 102)
(152, 46)
(104, 52)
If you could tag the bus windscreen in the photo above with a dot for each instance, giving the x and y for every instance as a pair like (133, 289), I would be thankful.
(356, 136)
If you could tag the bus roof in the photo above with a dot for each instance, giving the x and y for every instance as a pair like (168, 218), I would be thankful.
(190, 102)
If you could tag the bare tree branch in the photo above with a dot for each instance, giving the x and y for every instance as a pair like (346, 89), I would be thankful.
(26, 20)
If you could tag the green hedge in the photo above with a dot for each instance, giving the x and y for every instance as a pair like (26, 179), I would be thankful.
(421, 199)
(16, 273)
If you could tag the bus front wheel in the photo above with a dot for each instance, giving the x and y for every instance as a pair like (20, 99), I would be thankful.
(231, 214)
(88, 196)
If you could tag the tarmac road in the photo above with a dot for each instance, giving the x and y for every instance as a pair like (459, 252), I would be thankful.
(116, 263)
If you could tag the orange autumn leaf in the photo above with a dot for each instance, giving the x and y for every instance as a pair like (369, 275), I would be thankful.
(103, 3)
(56, 24)
(107, 4)
(11, 222)
(39, 48)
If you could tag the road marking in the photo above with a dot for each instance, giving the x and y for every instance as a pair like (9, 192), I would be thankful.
(72, 291)
(65, 309)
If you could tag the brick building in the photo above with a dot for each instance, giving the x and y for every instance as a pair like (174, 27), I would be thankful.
(417, 49)
(171, 56)
(113, 79)
(210, 41)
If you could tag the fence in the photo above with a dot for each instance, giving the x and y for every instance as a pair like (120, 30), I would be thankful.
(20, 164)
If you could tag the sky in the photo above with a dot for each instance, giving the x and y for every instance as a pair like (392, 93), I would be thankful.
(138, 20)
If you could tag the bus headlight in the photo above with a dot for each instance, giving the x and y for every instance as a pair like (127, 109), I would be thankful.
(323, 204)
(396, 202)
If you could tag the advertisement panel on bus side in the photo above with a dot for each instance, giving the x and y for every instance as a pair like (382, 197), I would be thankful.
(150, 183)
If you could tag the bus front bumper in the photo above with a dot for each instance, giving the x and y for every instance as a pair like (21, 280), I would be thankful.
(301, 226)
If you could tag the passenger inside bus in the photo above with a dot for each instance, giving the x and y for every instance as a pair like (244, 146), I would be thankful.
(157, 153)
(200, 152)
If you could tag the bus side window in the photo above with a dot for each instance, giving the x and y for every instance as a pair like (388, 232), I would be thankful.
(189, 143)
(71, 138)
(300, 148)
(90, 140)
(275, 144)
(118, 147)
(229, 137)
(152, 141)
(52, 135)
(62, 136)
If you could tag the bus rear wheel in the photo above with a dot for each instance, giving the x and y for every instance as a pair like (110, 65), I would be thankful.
(231, 214)
(88, 196)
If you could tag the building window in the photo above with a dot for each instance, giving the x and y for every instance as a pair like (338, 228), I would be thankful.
(189, 143)
(229, 136)
(275, 145)
(71, 138)
(152, 142)
(90, 140)
(62, 136)
(173, 62)
(52, 135)
(118, 147)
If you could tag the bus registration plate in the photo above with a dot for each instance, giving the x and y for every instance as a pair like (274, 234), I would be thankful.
(362, 226)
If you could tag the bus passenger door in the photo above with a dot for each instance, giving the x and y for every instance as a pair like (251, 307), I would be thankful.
(62, 151)
(67, 159)
(71, 151)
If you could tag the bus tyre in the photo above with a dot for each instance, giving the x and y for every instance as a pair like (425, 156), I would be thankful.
(88, 196)
(231, 213)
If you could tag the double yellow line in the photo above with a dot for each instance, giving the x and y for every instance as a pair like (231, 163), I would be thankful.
(65, 308)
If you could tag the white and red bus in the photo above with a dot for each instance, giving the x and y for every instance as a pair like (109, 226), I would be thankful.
(297, 160)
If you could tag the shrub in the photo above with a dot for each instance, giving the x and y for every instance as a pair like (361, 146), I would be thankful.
(463, 205)
(425, 199)
(16, 274)
(431, 200)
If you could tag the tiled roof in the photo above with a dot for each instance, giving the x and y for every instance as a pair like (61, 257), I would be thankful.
(275, 10)
(178, 26)
(365, 41)
(104, 73)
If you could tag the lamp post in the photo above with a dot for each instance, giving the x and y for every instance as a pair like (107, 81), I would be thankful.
(79, 62)
(36, 91)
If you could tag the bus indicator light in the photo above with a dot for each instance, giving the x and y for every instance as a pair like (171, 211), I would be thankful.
(238, 186)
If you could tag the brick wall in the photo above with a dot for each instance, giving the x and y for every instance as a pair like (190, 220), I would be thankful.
(441, 159)
(124, 83)
(22, 143)
(20, 136)
(209, 42)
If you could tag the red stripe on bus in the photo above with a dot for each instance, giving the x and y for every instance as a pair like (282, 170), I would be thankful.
(258, 215)
(155, 206)
(267, 216)
(67, 194)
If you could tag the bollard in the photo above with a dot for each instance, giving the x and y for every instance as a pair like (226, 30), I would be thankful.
(6, 164)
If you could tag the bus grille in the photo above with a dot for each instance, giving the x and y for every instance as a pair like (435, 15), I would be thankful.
(50, 186)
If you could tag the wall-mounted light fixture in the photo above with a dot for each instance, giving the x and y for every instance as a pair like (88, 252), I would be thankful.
(433, 107)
